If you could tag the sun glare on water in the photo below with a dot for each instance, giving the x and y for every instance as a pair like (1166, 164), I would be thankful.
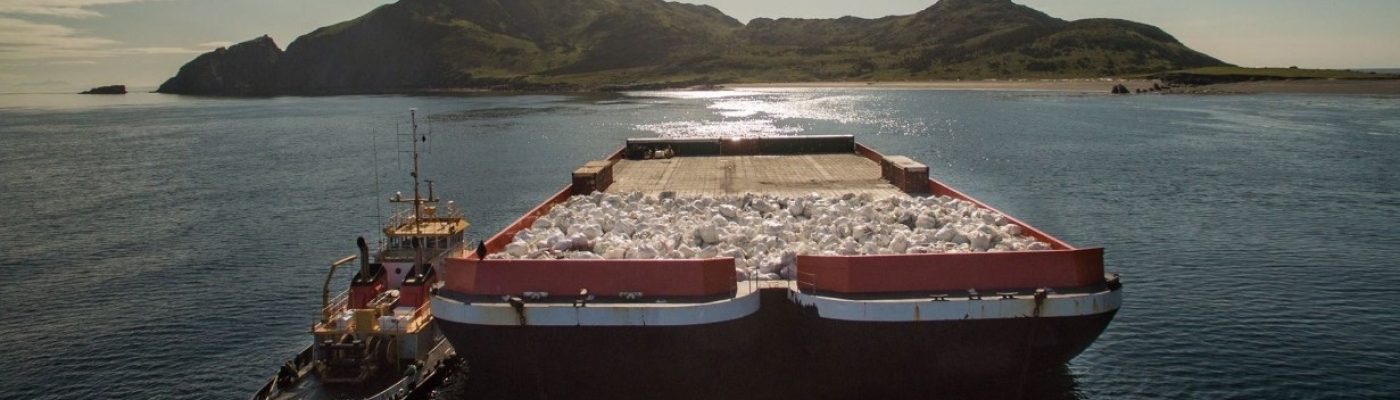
(746, 114)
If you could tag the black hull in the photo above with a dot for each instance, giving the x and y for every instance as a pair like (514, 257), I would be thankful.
(781, 351)
(619, 362)
(897, 359)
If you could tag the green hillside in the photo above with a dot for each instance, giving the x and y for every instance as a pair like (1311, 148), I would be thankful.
(580, 44)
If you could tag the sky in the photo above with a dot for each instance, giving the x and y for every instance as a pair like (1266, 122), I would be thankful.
(72, 45)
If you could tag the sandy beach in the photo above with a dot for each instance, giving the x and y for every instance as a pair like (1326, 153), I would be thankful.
(1338, 87)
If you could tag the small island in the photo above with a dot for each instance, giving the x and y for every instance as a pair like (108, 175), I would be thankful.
(113, 89)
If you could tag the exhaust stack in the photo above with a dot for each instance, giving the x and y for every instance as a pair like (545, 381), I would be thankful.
(418, 246)
(364, 256)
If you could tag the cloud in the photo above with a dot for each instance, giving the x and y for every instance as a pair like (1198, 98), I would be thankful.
(215, 45)
(50, 82)
(72, 62)
(25, 40)
(20, 39)
(156, 50)
(17, 80)
(58, 8)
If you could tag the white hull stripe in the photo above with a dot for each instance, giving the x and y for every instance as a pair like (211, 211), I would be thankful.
(1071, 305)
(952, 309)
(662, 314)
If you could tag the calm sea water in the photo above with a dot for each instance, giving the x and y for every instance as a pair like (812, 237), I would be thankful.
(165, 247)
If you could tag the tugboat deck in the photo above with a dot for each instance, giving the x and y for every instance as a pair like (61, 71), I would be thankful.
(428, 227)
(829, 175)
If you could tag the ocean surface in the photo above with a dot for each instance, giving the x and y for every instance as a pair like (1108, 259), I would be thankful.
(167, 247)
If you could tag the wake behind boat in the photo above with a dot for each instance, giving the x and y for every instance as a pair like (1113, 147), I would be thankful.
(378, 339)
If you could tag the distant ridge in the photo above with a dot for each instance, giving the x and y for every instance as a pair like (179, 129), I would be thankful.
(611, 44)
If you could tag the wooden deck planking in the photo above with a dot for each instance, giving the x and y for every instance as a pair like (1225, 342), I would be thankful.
(828, 175)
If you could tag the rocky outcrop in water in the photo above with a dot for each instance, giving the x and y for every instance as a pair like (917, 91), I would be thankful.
(113, 89)
(244, 69)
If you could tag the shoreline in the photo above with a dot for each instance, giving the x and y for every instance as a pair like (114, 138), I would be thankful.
(1378, 87)
(1375, 87)
(1060, 85)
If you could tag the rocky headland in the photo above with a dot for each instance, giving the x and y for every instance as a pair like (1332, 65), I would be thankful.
(245, 69)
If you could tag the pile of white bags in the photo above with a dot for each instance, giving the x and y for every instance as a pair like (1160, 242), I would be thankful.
(763, 234)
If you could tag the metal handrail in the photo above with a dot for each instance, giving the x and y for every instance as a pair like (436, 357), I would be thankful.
(398, 389)
(419, 318)
(337, 304)
(813, 281)
(403, 216)
(325, 289)
(398, 218)
(423, 312)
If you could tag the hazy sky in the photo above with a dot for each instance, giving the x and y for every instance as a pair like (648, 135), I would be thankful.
(67, 45)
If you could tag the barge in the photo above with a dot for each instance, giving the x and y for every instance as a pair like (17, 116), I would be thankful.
(831, 325)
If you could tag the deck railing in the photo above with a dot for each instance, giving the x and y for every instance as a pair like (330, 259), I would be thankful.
(418, 320)
(333, 309)
(403, 216)
(397, 391)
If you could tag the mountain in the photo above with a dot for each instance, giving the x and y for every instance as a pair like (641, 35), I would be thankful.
(581, 44)
(437, 43)
(965, 39)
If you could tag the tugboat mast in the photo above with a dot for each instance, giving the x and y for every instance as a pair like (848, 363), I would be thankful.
(418, 200)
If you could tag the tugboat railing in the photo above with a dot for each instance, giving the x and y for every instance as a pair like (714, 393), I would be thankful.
(421, 317)
(336, 305)
(397, 390)
(404, 216)
(418, 320)
(398, 218)
(265, 391)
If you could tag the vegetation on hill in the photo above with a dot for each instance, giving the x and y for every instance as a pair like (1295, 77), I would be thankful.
(1231, 74)
(545, 44)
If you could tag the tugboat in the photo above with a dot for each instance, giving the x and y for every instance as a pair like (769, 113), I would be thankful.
(378, 340)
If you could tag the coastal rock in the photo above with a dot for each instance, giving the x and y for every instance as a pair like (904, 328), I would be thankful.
(112, 89)
(244, 69)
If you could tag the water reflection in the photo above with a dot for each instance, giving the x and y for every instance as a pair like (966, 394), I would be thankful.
(777, 112)
(744, 128)
(1057, 384)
